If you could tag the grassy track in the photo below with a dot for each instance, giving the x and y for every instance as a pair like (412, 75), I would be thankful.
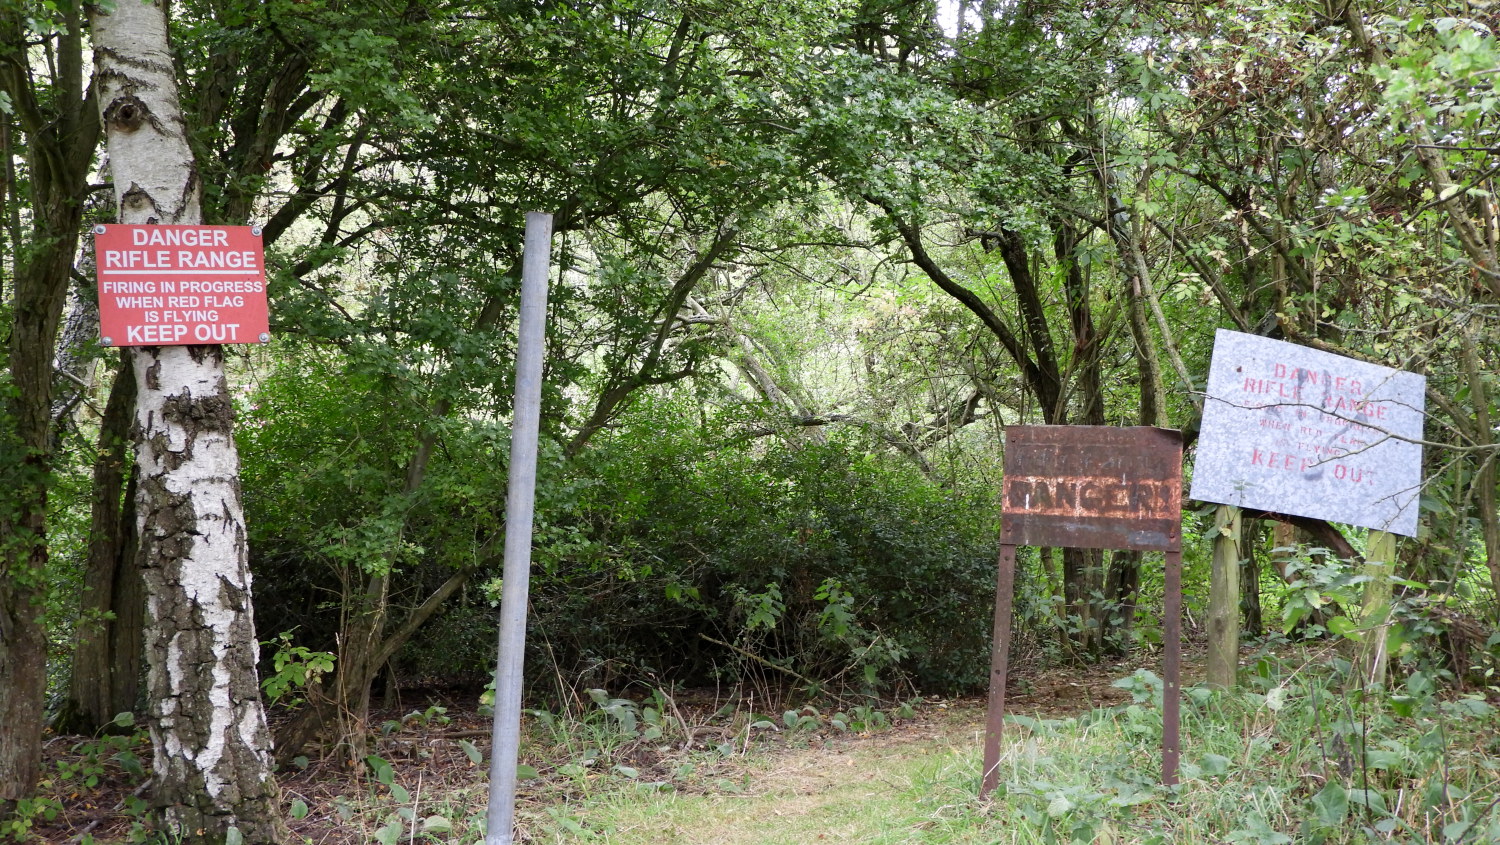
(1299, 764)
(898, 787)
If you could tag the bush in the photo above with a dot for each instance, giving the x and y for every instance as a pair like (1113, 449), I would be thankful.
(834, 562)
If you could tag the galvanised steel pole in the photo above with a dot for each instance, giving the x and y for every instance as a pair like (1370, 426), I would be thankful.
(536, 265)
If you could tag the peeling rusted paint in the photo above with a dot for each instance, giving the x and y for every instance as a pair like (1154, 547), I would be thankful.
(1096, 487)
(1090, 487)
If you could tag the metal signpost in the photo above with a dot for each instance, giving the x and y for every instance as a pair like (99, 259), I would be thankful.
(519, 509)
(164, 285)
(1097, 487)
(1299, 431)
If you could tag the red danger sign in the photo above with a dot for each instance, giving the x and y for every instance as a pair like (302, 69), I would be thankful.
(181, 285)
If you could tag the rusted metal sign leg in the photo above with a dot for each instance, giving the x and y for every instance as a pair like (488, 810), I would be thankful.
(1005, 588)
(1171, 697)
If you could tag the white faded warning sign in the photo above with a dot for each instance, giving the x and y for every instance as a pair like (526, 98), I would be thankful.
(1304, 432)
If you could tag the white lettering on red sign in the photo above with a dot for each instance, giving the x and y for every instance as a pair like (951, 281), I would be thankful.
(178, 236)
(166, 285)
(171, 262)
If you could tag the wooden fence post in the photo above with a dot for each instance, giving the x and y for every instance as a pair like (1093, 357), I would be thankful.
(1375, 614)
(1224, 599)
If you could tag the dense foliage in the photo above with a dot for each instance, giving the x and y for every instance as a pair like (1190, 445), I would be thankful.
(810, 260)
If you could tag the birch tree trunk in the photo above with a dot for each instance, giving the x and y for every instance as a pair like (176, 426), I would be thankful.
(212, 764)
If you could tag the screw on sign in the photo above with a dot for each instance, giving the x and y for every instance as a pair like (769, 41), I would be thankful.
(181, 285)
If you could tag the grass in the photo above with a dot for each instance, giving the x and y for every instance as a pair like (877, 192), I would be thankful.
(882, 788)
(1289, 758)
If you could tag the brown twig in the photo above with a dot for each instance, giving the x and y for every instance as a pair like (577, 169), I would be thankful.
(758, 659)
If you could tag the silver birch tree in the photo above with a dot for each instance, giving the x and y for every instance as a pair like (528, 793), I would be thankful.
(212, 759)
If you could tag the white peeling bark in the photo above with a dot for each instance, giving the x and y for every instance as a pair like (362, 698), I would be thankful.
(213, 779)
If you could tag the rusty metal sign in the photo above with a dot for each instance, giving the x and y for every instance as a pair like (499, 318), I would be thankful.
(1090, 487)
(1093, 487)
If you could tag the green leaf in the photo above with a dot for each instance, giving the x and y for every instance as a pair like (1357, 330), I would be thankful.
(232, 836)
(1026, 722)
(1396, 637)
(1368, 798)
(299, 809)
(380, 769)
(1292, 615)
(1468, 706)
(1455, 831)
(525, 772)
(1129, 797)
(1276, 699)
(1331, 805)
(399, 793)
(471, 751)
(1343, 626)
(390, 834)
(1214, 764)
(130, 764)
(437, 824)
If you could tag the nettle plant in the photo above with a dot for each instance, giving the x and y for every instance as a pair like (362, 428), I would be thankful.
(1426, 631)
(98, 763)
(1290, 757)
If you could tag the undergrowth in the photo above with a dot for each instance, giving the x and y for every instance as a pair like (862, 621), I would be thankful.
(1290, 757)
